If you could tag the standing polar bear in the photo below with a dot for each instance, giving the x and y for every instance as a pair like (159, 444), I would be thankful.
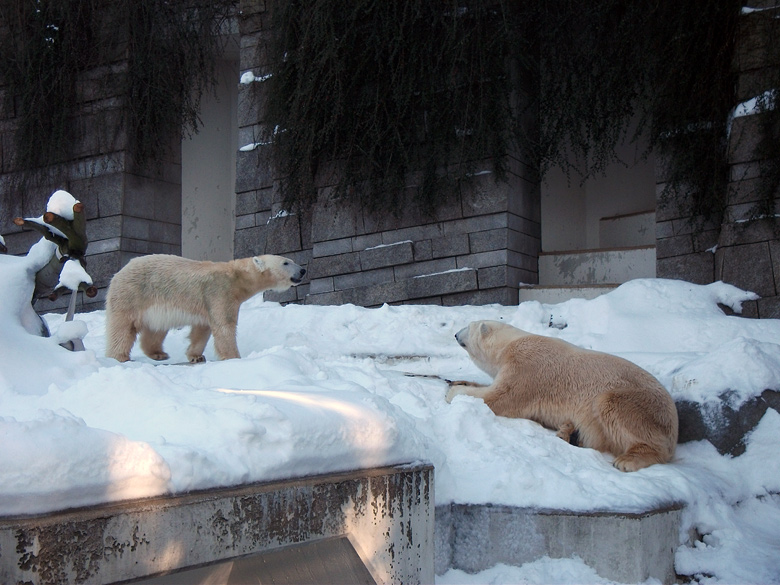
(155, 293)
(612, 404)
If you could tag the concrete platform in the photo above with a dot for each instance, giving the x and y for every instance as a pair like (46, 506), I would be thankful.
(552, 295)
(627, 548)
(367, 526)
(602, 266)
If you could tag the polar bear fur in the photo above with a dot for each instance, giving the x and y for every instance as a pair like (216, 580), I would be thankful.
(155, 293)
(614, 405)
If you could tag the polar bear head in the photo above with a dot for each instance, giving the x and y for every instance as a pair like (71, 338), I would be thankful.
(485, 341)
(284, 272)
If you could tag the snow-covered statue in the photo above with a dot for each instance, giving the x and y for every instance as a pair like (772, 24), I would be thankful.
(53, 265)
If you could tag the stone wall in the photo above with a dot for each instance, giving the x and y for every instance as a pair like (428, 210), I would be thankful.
(743, 250)
(130, 210)
(476, 249)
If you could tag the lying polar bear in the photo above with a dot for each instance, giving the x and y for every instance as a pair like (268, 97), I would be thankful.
(155, 293)
(612, 404)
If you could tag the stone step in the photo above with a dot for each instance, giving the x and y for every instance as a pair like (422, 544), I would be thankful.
(552, 295)
(633, 229)
(596, 267)
(622, 547)
(347, 527)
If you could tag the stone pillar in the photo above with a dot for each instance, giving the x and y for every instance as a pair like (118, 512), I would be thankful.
(748, 253)
(744, 249)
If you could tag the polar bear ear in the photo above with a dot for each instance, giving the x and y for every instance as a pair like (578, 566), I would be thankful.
(484, 329)
(259, 263)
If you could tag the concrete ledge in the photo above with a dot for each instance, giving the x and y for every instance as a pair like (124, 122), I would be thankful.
(603, 266)
(553, 295)
(386, 514)
(627, 548)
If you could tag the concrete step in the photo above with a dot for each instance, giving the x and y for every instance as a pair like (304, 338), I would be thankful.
(622, 231)
(627, 548)
(552, 295)
(596, 267)
(348, 527)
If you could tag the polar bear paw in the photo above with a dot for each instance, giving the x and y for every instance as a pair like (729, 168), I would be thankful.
(567, 431)
(638, 457)
(459, 387)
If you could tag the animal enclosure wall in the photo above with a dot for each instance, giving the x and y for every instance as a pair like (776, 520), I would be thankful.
(475, 249)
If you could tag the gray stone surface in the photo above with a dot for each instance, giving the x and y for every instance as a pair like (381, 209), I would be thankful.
(386, 513)
(697, 268)
(769, 308)
(747, 266)
(721, 424)
(363, 278)
(387, 255)
(425, 267)
(328, 266)
(674, 246)
(627, 548)
(451, 245)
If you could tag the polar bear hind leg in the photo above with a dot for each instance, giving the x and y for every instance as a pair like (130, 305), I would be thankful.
(120, 336)
(152, 342)
(639, 456)
(630, 430)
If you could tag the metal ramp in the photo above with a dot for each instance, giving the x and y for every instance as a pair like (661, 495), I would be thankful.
(331, 560)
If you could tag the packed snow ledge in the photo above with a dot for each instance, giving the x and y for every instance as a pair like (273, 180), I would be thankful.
(326, 389)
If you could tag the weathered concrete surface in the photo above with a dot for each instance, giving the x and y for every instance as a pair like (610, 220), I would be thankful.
(588, 267)
(386, 513)
(627, 548)
(552, 295)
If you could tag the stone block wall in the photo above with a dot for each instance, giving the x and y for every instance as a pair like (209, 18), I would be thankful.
(130, 210)
(476, 249)
(744, 249)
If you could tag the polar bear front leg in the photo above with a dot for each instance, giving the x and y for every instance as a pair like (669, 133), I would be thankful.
(223, 329)
(460, 387)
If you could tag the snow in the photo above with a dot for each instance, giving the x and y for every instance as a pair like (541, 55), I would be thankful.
(325, 389)
(252, 146)
(61, 203)
(73, 274)
(377, 247)
(756, 105)
(249, 77)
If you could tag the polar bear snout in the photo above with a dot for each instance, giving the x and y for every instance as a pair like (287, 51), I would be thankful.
(298, 277)
(296, 272)
(461, 336)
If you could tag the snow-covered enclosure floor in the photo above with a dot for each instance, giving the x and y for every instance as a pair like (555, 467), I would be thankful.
(323, 389)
